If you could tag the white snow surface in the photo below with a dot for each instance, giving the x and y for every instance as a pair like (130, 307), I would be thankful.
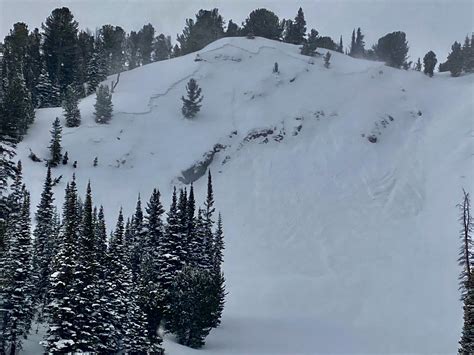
(333, 244)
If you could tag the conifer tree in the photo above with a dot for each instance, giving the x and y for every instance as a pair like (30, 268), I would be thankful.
(16, 286)
(233, 30)
(86, 279)
(429, 61)
(393, 49)
(7, 172)
(309, 47)
(217, 274)
(162, 47)
(70, 107)
(455, 59)
(208, 224)
(466, 278)
(55, 143)
(96, 68)
(192, 104)
(418, 65)
(192, 302)
(62, 327)
(192, 243)
(340, 47)
(138, 238)
(103, 105)
(468, 54)
(48, 93)
(262, 23)
(145, 43)
(296, 30)
(44, 241)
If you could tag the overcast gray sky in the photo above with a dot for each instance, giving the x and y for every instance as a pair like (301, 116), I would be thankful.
(429, 24)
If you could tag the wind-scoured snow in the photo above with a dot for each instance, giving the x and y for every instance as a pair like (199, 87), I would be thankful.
(333, 244)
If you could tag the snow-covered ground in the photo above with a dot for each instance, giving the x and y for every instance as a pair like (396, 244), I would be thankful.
(334, 244)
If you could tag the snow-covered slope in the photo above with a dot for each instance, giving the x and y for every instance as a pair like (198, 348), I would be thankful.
(334, 244)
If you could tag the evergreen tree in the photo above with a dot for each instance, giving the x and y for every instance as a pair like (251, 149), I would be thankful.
(340, 47)
(85, 47)
(296, 30)
(392, 49)
(418, 65)
(48, 93)
(217, 274)
(18, 112)
(162, 48)
(70, 107)
(192, 104)
(468, 54)
(62, 328)
(113, 44)
(429, 61)
(34, 64)
(262, 23)
(16, 286)
(60, 47)
(44, 241)
(132, 50)
(145, 43)
(176, 52)
(208, 27)
(208, 224)
(357, 49)
(103, 105)
(138, 239)
(353, 48)
(170, 252)
(233, 30)
(466, 278)
(191, 307)
(311, 44)
(55, 146)
(455, 59)
(327, 58)
(7, 172)
(97, 67)
(192, 242)
(86, 279)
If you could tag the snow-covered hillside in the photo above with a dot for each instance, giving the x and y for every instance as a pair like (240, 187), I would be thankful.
(334, 244)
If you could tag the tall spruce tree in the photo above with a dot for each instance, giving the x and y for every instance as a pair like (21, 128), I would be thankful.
(262, 23)
(296, 30)
(47, 92)
(162, 48)
(62, 322)
(455, 59)
(103, 105)
(466, 344)
(145, 43)
(392, 49)
(60, 47)
(192, 103)
(340, 47)
(44, 241)
(309, 47)
(7, 172)
(70, 107)
(16, 286)
(217, 273)
(468, 54)
(55, 143)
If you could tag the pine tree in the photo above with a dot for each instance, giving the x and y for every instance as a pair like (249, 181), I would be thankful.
(393, 49)
(86, 279)
(233, 30)
(327, 58)
(132, 50)
(296, 30)
(44, 241)
(96, 68)
(170, 261)
(70, 107)
(340, 47)
(309, 47)
(162, 48)
(103, 105)
(48, 93)
(149, 290)
(62, 323)
(193, 299)
(429, 61)
(192, 243)
(55, 146)
(353, 48)
(455, 59)
(60, 47)
(145, 43)
(7, 172)
(208, 224)
(468, 54)
(217, 274)
(34, 64)
(418, 65)
(138, 239)
(16, 286)
(192, 104)
(18, 112)
(466, 278)
(113, 41)
(262, 23)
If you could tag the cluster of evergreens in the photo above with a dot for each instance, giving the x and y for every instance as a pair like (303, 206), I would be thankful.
(106, 294)
(61, 64)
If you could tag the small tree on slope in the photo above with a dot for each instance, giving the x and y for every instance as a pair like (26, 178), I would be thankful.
(71, 110)
(429, 61)
(103, 105)
(55, 147)
(192, 104)
(466, 278)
